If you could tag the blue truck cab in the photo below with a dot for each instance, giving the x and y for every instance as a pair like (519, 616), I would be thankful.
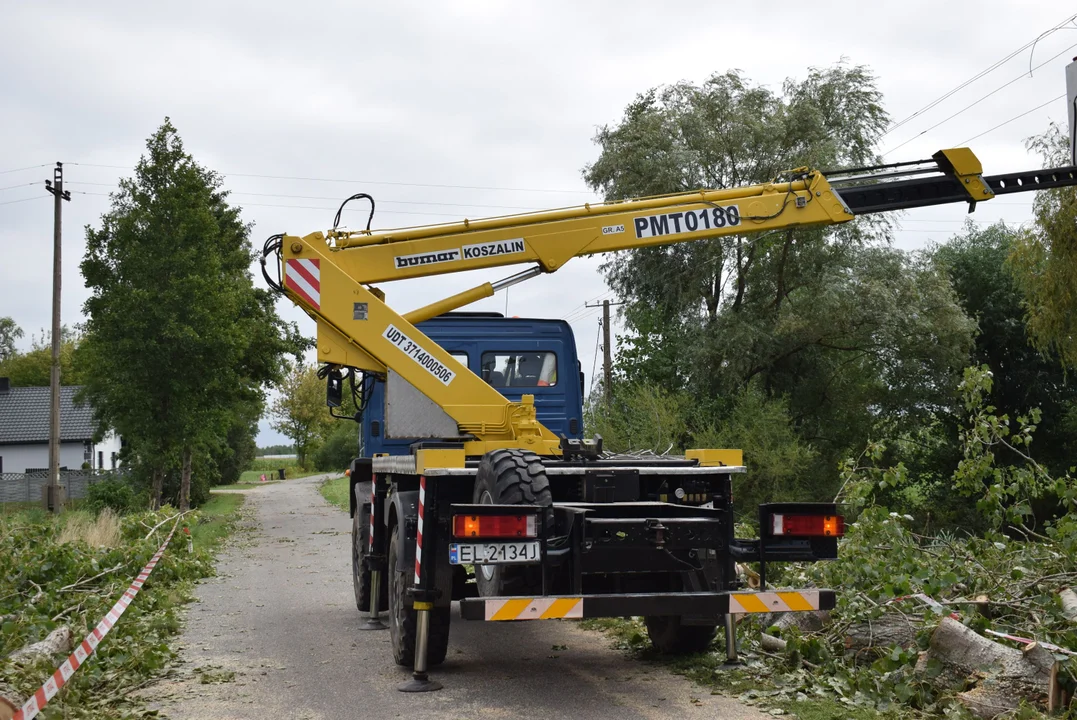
(516, 356)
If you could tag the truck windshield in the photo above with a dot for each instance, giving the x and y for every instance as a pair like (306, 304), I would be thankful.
(525, 369)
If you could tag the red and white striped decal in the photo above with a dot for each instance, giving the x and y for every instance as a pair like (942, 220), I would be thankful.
(48, 691)
(419, 535)
(304, 278)
(373, 483)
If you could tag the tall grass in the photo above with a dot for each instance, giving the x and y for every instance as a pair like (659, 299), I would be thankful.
(100, 531)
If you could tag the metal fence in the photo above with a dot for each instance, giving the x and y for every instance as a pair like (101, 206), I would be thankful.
(26, 487)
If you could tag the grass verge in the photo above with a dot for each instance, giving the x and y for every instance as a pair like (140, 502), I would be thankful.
(335, 490)
(752, 683)
(68, 570)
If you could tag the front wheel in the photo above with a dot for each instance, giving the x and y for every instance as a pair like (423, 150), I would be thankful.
(403, 618)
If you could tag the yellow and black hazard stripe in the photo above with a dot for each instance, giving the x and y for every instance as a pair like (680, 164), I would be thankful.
(553, 608)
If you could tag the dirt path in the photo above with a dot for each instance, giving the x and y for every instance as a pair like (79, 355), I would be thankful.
(281, 617)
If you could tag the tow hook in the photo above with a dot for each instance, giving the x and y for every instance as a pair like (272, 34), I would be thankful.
(657, 532)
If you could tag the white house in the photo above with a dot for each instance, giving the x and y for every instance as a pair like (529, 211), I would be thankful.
(24, 432)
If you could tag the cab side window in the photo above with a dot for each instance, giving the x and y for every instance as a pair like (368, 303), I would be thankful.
(522, 369)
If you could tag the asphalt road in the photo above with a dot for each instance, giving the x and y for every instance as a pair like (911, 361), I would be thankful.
(282, 618)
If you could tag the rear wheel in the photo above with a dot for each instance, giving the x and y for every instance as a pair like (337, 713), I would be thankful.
(511, 477)
(670, 637)
(360, 573)
(403, 618)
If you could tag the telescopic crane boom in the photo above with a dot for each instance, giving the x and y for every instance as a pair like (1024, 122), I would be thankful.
(332, 275)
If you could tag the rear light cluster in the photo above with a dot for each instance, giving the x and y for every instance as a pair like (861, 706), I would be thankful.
(495, 526)
(807, 525)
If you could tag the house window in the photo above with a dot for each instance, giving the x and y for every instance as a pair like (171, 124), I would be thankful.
(113, 461)
(1, 463)
(100, 459)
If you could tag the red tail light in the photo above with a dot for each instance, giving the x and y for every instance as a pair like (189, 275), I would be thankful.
(807, 525)
(495, 526)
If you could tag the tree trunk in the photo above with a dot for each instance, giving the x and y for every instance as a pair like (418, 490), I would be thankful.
(185, 481)
(867, 641)
(57, 641)
(158, 484)
(1003, 676)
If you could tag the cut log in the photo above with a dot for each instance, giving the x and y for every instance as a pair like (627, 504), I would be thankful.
(1069, 604)
(57, 641)
(771, 643)
(1003, 676)
(805, 622)
(865, 642)
(9, 704)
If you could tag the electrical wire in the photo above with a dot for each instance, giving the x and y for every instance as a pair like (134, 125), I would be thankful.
(21, 185)
(977, 102)
(12, 202)
(29, 167)
(981, 74)
(594, 361)
(323, 197)
(1016, 117)
(359, 182)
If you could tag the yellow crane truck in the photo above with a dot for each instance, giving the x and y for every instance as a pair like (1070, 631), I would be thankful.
(459, 469)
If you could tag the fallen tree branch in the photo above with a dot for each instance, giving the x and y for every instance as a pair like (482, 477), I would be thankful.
(164, 522)
(87, 580)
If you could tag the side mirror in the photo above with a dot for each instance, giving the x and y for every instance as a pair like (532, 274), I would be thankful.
(334, 389)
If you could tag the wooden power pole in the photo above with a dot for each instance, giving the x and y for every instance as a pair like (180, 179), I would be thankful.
(53, 498)
(607, 353)
(607, 361)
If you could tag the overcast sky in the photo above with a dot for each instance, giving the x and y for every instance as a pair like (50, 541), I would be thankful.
(456, 109)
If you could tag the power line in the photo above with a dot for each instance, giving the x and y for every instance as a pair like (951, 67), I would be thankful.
(21, 185)
(366, 182)
(30, 167)
(334, 199)
(977, 102)
(982, 73)
(12, 202)
(1016, 117)
(594, 360)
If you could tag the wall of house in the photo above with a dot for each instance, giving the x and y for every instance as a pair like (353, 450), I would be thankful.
(103, 452)
(20, 458)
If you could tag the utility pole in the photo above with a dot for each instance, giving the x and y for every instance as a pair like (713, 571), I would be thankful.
(53, 498)
(607, 354)
(607, 361)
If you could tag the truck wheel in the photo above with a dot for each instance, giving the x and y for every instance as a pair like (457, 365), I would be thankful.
(403, 618)
(670, 637)
(511, 477)
(360, 574)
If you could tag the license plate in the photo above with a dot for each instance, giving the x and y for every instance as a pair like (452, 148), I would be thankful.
(493, 553)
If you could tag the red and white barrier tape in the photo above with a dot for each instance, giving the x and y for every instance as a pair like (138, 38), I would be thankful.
(48, 691)
(1029, 641)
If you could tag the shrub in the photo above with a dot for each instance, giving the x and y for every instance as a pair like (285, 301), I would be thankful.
(337, 452)
(113, 493)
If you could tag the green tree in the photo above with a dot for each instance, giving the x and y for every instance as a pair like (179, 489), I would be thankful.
(843, 331)
(178, 340)
(1023, 377)
(1044, 258)
(299, 411)
(9, 333)
(32, 368)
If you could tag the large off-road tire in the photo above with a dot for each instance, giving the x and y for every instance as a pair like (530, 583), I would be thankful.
(670, 637)
(360, 574)
(511, 477)
(403, 619)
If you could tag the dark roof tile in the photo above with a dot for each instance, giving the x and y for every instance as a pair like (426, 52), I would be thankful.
(24, 416)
